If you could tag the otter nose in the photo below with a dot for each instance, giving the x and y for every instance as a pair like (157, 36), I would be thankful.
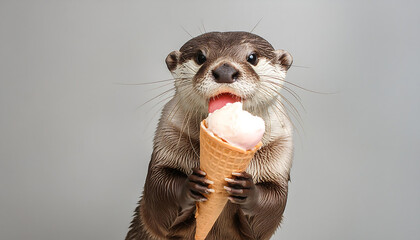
(225, 74)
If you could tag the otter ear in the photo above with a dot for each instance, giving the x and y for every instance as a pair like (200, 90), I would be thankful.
(284, 58)
(172, 60)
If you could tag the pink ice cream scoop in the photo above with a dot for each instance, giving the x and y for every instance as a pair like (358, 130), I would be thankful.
(236, 126)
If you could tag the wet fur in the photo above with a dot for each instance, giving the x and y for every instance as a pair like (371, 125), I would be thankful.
(176, 142)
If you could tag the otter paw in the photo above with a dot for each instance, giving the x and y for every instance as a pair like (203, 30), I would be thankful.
(242, 190)
(198, 185)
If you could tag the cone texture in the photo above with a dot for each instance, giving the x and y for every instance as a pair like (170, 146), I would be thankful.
(218, 159)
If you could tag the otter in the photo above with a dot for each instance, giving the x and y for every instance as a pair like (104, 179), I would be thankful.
(247, 67)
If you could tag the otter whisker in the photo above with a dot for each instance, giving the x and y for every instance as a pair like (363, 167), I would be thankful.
(293, 84)
(188, 116)
(287, 65)
(185, 30)
(298, 99)
(278, 109)
(175, 109)
(183, 125)
(269, 61)
(179, 83)
(269, 121)
(202, 24)
(160, 95)
(163, 93)
(296, 128)
(156, 104)
(264, 90)
(177, 105)
(161, 86)
(158, 110)
(154, 82)
(287, 101)
(256, 25)
(154, 115)
(282, 110)
(298, 119)
(294, 65)
(295, 95)
(189, 135)
(295, 112)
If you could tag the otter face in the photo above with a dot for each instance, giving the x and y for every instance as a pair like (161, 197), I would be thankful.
(239, 63)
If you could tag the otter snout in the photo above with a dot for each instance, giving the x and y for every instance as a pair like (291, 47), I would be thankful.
(225, 73)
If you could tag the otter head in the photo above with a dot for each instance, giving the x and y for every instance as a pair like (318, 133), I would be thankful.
(239, 64)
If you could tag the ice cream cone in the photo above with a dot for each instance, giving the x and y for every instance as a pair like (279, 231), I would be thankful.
(218, 159)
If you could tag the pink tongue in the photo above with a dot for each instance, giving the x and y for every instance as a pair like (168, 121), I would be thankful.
(221, 100)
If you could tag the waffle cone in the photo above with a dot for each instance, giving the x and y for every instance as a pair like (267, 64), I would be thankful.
(218, 159)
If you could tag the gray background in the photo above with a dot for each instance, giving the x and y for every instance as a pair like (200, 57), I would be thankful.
(74, 144)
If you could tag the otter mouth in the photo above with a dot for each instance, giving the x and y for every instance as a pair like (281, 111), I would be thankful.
(220, 100)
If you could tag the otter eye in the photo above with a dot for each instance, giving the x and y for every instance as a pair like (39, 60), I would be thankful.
(252, 58)
(201, 58)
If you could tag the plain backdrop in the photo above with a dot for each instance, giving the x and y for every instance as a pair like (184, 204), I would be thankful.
(75, 141)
